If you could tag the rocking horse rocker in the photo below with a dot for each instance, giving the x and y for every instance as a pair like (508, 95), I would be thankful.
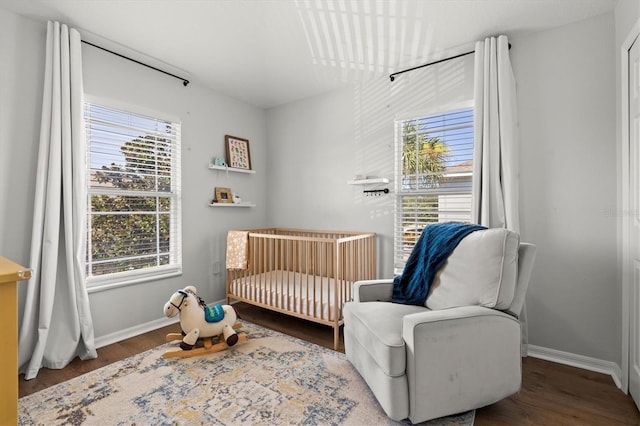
(198, 321)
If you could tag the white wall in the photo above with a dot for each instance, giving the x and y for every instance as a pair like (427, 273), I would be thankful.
(566, 103)
(206, 117)
(21, 81)
(317, 145)
(566, 98)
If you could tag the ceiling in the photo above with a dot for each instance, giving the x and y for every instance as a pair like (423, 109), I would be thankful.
(271, 52)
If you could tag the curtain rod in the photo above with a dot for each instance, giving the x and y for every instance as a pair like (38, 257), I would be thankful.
(393, 76)
(185, 82)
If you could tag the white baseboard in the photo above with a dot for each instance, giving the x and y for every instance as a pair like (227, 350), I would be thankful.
(136, 330)
(117, 336)
(579, 361)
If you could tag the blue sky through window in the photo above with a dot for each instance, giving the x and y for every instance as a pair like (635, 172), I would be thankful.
(455, 129)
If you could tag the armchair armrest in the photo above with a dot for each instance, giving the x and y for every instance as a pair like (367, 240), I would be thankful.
(472, 352)
(462, 313)
(373, 290)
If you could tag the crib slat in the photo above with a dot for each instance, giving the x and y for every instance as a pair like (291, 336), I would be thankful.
(307, 274)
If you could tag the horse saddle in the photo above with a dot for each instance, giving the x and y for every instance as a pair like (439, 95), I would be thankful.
(214, 313)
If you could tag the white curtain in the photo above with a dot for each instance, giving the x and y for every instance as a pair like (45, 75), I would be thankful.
(496, 164)
(495, 176)
(56, 322)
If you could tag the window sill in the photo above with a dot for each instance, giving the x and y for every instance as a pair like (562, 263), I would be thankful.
(124, 279)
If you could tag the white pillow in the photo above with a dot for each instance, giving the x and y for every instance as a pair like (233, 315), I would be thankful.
(482, 270)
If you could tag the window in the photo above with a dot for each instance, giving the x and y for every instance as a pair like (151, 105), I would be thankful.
(134, 199)
(434, 159)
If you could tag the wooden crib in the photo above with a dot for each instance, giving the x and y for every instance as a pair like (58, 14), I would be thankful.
(306, 274)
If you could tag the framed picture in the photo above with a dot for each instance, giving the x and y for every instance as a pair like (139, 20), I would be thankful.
(223, 195)
(238, 155)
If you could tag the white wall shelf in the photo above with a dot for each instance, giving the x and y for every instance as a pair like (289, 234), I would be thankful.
(234, 170)
(231, 169)
(243, 204)
(368, 181)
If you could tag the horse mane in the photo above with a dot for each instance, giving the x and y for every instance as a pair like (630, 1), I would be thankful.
(200, 300)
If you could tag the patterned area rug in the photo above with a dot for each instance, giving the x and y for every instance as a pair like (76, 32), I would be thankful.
(272, 379)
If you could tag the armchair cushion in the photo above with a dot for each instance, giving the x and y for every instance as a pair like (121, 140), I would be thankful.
(378, 327)
(481, 271)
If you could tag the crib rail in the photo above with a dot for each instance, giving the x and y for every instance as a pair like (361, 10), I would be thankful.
(307, 274)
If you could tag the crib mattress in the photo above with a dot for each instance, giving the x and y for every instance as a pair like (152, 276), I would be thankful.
(310, 295)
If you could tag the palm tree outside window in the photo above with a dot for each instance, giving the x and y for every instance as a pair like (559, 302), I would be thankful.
(434, 160)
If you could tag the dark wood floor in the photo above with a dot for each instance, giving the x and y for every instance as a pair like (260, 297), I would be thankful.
(551, 394)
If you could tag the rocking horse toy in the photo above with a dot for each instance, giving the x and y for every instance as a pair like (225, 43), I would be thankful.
(198, 321)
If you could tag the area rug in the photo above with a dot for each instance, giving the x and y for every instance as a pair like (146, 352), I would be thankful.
(272, 379)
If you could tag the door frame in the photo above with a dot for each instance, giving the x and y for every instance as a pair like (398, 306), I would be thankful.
(627, 273)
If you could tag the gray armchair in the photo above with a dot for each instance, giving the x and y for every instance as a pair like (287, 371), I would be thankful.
(461, 350)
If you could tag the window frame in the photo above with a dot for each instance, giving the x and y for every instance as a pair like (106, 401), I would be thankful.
(399, 244)
(95, 283)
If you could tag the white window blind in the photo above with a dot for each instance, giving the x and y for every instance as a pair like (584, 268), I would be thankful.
(133, 194)
(434, 159)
